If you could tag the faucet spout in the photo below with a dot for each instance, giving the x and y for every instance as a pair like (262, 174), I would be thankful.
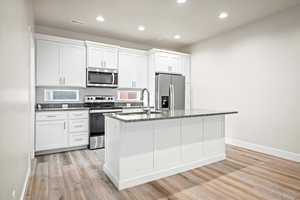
(148, 100)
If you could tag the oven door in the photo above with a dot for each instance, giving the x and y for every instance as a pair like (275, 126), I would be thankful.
(102, 78)
(97, 124)
(97, 127)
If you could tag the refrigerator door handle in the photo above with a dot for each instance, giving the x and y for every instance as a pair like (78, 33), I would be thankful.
(173, 93)
(170, 97)
(158, 106)
(172, 102)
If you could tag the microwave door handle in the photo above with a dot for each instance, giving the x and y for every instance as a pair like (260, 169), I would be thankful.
(113, 79)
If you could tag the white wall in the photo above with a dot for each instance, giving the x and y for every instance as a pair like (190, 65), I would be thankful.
(16, 19)
(254, 69)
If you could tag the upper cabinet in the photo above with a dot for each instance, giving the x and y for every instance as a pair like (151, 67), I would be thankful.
(168, 63)
(60, 62)
(133, 68)
(102, 55)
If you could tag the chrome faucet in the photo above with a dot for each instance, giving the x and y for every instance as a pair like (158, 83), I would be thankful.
(148, 100)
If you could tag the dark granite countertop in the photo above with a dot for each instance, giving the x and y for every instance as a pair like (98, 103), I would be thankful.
(61, 109)
(167, 114)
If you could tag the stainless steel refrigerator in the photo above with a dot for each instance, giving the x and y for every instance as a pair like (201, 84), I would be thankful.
(169, 91)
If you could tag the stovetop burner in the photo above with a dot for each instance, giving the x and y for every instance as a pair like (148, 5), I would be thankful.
(100, 102)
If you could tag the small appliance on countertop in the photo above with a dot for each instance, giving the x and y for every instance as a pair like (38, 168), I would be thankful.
(98, 105)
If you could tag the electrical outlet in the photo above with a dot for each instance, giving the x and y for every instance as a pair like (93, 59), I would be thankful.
(13, 194)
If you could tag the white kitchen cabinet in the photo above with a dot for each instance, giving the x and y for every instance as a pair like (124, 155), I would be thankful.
(133, 68)
(60, 61)
(61, 130)
(168, 63)
(74, 65)
(51, 135)
(48, 63)
(102, 55)
(78, 139)
(143, 151)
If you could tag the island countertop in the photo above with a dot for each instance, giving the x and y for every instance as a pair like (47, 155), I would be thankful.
(166, 114)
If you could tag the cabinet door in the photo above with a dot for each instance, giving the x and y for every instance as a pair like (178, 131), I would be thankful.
(133, 70)
(51, 135)
(47, 63)
(95, 57)
(73, 65)
(162, 63)
(166, 62)
(141, 71)
(127, 72)
(175, 62)
(110, 58)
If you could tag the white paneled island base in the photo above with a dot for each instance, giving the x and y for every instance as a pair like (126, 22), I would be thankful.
(143, 151)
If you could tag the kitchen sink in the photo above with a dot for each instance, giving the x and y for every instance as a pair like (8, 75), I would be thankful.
(140, 113)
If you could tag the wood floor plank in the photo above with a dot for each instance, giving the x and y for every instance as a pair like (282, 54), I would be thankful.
(245, 174)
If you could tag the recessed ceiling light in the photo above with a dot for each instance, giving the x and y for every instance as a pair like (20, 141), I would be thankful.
(100, 19)
(141, 28)
(181, 1)
(223, 15)
(177, 37)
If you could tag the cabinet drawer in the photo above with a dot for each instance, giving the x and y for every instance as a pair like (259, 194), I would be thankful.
(78, 139)
(49, 116)
(79, 115)
(78, 125)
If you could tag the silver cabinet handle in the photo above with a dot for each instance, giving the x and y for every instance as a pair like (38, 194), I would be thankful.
(51, 116)
(65, 125)
(78, 126)
(79, 139)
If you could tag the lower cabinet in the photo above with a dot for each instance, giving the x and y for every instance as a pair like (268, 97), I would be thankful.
(51, 135)
(78, 139)
(58, 130)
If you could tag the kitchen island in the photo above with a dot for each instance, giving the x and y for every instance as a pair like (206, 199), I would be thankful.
(142, 147)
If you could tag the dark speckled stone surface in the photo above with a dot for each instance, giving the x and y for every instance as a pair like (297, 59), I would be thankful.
(168, 114)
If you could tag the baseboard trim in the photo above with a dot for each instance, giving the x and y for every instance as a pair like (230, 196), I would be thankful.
(127, 183)
(264, 149)
(25, 183)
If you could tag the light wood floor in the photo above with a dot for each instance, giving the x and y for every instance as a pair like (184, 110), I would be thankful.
(243, 175)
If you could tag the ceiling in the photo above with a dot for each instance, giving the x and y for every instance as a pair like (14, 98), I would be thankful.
(194, 21)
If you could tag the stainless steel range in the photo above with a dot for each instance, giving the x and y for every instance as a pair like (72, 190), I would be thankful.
(98, 106)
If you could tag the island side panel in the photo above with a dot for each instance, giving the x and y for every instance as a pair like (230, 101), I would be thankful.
(214, 136)
(137, 149)
(112, 149)
(167, 144)
(192, 135)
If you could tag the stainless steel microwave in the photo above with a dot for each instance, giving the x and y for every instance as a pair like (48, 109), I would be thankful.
(102, 77)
